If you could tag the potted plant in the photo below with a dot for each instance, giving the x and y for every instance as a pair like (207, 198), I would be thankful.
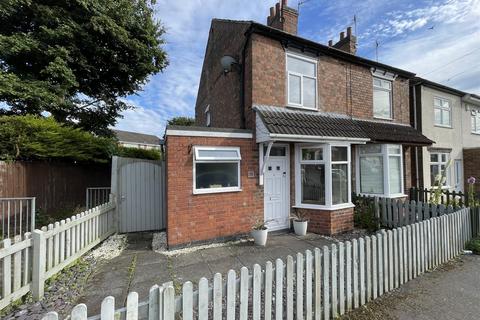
(260, 232)
(300, 222)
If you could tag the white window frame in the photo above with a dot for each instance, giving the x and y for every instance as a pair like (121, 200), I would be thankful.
(208, 115)
(439, 164)
(288, 73)
(386, 171)
(197, 159)
(390, 92)
(475, 121)
(442, 110)
(327, 156)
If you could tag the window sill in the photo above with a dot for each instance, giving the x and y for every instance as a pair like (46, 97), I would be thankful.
(292, 106)
(382, 118)
(390, 196)
(326, 208)
(442, 126)
(476, 133)
(222, 190)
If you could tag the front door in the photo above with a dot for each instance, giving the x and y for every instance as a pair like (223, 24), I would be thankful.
(276, 189)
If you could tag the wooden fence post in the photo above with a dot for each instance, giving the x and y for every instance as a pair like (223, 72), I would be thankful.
(38, 267)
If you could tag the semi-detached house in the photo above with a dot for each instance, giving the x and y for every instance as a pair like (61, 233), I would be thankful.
(283, 124)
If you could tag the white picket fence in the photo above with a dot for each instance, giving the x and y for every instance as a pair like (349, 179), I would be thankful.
(28, 261)
(322, 284)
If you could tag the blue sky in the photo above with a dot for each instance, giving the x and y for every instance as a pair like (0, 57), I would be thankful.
(438, 40)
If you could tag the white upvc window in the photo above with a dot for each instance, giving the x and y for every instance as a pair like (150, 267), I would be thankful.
(301, 81)
(322, 176)
(438, 165)
(380, 170)
(216, 169)
(442, 110)
(382, 98)
(475, 121)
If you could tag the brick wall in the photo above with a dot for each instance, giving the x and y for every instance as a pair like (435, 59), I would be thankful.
(329, 221)
(196, 218)
(471, 167)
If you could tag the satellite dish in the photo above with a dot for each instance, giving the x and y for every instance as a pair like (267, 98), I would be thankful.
(227, 62)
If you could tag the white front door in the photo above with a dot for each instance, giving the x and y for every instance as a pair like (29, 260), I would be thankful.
(276, 192)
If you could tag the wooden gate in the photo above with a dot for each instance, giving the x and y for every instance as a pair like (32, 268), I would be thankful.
(139, 188)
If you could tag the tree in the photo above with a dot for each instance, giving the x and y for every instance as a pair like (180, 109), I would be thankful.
(76, 59)
(181, 121)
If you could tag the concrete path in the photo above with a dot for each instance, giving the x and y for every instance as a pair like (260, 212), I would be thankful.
(138, 267)
(451, 292)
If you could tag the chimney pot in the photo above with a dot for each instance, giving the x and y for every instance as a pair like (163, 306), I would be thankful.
(277, 9)
(284, 3)
(349, 31)
(342, 35)
(283, 17)
(330, 43)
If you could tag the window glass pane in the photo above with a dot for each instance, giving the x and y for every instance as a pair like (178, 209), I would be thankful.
(393, 149)
(437, 102)
(371, 174)
(371, 148)
(301, 66)
(434, 174)
(438, 116)
(339, 183)
(339, 154)
(313, 183)
(218, 154)
(309, 92)
(444, 157)
(216, 175)
(446, 117)
(381, 103)
(434, 157)
(377, 82)
(312, 153)
(395, 175)
(275, 151)
(294, 88)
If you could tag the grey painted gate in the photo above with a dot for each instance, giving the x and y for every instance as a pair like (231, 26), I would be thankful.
(139, 188)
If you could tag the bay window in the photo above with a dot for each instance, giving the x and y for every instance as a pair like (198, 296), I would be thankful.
(216, 169)
(380, 170)
(323, 176)
(302, 81)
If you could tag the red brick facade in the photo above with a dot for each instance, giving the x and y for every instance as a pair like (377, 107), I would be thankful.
(329, 221)
(195, 218)
(471, 167)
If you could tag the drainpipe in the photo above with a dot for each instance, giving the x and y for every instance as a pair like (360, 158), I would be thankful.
(415, 127)
(248, 33)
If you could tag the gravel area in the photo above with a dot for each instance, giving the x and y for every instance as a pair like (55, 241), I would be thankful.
(62, 290)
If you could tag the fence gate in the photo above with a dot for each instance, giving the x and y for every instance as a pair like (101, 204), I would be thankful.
(139, 188)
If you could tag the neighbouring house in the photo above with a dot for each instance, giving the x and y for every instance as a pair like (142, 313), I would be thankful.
(451, 118)
(138, 140)
(282, 124)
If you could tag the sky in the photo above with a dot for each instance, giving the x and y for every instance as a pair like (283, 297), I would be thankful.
(437, 40)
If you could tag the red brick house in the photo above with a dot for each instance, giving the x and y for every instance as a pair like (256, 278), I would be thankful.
(284, 123)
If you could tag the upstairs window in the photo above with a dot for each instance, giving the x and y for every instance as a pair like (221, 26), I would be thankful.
(382, 98)
(301, 82)
(475, 121)
(216, 169)
(442, 112)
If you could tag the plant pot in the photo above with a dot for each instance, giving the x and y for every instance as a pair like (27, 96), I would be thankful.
(260, 237)
(300, 227)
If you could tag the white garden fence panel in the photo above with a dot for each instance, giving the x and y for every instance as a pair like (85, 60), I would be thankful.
(26, 262)
(322, 284)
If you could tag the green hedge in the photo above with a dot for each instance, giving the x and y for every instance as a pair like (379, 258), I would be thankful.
(149, 154)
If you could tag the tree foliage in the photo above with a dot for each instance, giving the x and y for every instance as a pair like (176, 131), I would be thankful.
(32, 138)
(181, 121)
(76, 59)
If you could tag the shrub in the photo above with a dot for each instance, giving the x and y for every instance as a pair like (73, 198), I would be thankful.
(364, 214)
(474, 245)
(149, 154)
(39, 138)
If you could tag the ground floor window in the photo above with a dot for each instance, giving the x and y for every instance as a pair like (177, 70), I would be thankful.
(380, 170)
(438, 166)
(322, 175)
(216, 169)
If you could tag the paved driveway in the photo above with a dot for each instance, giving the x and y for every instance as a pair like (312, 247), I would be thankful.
(138, 267)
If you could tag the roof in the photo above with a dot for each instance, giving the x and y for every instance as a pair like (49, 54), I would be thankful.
(291, 40)
(207, 129)
(436, 85)
(310, 123)
(136, 137)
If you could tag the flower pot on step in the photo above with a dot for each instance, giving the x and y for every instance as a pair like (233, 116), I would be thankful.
(260, 237)
(300, 227)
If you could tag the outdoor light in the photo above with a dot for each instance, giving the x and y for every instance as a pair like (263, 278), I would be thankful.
(227, 62)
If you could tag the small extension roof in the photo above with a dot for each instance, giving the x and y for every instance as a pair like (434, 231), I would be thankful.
(283, 121)
(136, 137)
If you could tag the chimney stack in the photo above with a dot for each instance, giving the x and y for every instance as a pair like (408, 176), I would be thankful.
(283, 17)
(346, 43)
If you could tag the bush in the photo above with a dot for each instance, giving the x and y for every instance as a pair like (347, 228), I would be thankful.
(149, 154)
(474, 245)
(364, 214)
(39, 138)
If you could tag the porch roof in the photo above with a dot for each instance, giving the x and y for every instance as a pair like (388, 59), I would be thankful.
(287, 122)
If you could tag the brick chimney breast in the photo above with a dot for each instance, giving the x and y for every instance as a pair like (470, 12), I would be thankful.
(347, 43)
(283, 17)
